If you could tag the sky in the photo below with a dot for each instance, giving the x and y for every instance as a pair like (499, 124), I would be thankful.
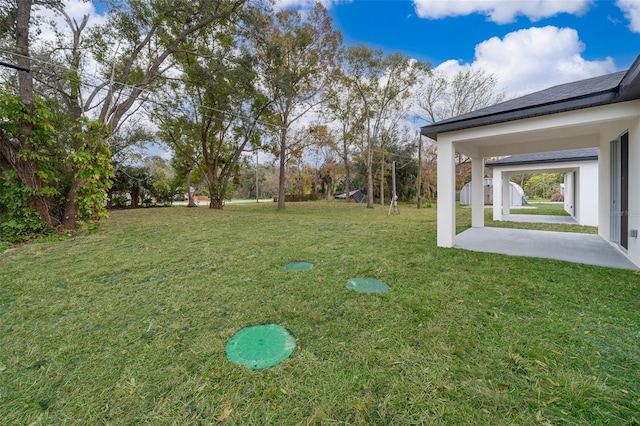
(529, 45)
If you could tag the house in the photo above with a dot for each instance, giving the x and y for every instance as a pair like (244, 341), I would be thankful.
(601, 112)
(516, 194)
(580, 170)
(357, 195)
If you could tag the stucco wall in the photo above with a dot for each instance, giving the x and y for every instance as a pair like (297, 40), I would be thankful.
(586, 209)
(610, 132)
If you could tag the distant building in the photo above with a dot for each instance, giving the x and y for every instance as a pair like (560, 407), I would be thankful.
(357, 195)
(516, 194)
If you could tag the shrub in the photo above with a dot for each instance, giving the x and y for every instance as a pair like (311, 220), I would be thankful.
(19, 222)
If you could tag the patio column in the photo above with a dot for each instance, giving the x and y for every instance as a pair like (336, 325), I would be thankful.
(506, 195)
(477, 192)
(497, 194)
(446, 192)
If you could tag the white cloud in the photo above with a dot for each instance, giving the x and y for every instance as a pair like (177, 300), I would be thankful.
(501, 11)
(631, 10)
(76, 9)
(533, 59)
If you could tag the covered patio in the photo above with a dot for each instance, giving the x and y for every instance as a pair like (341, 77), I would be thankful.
(580, 170)
(601, 112)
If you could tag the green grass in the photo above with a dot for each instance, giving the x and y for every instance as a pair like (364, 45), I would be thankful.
(463, 221)
(128, 325)
(553, 209)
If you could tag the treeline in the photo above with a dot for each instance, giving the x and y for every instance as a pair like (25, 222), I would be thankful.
(213, 82)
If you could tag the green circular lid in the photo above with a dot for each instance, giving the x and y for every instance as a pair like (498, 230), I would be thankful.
(260, 346)
(367, 285)
(298, 266)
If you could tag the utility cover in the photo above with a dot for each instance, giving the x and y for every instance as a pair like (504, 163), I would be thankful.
(260, 346)
(298, 266)
(367, 285)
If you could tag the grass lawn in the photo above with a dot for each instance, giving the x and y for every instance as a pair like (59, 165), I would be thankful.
(553, 209)
(128, 325)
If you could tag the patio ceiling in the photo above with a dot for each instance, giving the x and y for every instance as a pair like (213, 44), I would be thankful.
(568, 130)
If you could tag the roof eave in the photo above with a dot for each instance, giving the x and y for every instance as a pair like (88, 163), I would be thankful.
(630, 84)
(592, 100)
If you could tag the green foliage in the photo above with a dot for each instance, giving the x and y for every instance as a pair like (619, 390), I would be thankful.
(39, 148)
(92, 165)
(119, 201)
(18, 221)
(543, 186)
(164, 190)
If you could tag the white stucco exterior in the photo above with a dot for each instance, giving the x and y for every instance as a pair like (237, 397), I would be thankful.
(581, 128)
(580, 183)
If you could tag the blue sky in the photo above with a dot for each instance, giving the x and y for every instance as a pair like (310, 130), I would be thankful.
(395, 25)
(529, 44)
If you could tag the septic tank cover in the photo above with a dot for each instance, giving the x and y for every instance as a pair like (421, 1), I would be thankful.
(298, 266)
(261, 346)
(367, 285)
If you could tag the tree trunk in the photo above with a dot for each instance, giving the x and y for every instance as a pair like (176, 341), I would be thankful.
(191, 195)
(283, 162)
(135, 197)
(347, 177)
(216, 203)
(369, 173)
(369, 186)
(27, 169)
(70, 218)
(25, 79)
(109, 199)
(382, 179)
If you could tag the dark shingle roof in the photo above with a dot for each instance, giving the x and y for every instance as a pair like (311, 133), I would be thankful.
(585, 154)
(607, 89)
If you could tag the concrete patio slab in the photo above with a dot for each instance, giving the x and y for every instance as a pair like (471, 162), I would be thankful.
(571, 247)
(539, 218)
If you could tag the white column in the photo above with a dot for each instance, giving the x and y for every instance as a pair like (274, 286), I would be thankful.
(604, 188)
(477, 192)
(446, 193)
(506, 195)
(497, 194)
(569, 194)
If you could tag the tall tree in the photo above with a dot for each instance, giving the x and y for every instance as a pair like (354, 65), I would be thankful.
(219, 109)
(382, 83)
(323, 141)
(296, 60)
(440, 97)
(344, 107)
